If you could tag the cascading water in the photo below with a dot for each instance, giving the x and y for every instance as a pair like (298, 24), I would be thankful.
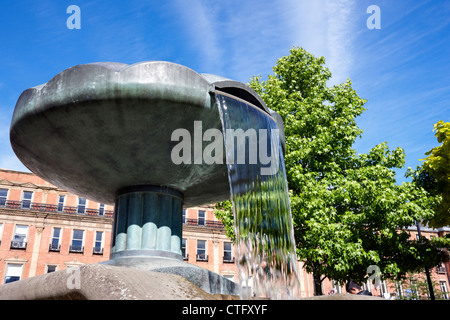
(263, 223)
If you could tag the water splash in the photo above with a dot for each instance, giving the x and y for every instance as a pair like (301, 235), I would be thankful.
(263, 223)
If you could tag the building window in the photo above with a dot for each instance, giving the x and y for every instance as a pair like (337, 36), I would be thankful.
(227, 252)
(412, 292)
(77, 241)
(399, 289)
(201, 250)
(61, 201)
(444, 291)
(55, 244)
(201, 217)
(81, 205)
(183, 249)
(20, 237)
(101, 209)
(26, 199)
(3, 197)
(440, 268)
(13, 272)
(183, 217)
(51, 268)
(98, 244)
(384, 290)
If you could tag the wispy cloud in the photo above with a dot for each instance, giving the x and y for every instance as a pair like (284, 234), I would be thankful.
(199, 21)
(248, 39)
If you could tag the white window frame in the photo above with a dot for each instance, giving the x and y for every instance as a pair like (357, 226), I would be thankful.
(23, 201)
(82, 206)
(53, 237)
(336, 285)
(185, 247)
(101, 209)
(384, 290)
(8, 271)
(4, 199)
(205, 256)
(24, 240)
(203, 219)
(230, 251)
(444, 289)
(72, 250)
(399, 289)
(61, 205)
(101, 242)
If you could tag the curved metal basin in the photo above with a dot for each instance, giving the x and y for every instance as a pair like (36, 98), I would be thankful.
(97, 128)
(104, 131)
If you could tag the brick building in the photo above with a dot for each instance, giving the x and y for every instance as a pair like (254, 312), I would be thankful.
(44, 228)
(414, 287)
(205, 244)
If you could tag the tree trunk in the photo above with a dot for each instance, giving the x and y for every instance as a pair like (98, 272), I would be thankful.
(317, 285)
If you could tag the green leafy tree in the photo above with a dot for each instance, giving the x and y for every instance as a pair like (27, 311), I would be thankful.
(415, 287)
(434, 175)
(347, 209)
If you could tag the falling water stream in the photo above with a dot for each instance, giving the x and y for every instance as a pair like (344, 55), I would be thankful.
(263, 224)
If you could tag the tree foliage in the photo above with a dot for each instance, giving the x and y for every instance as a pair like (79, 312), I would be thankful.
(347, 209)
(434, 175)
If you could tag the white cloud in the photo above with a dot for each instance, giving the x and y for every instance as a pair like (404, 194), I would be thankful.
(325, 28)
(198, 17)
(236, 39)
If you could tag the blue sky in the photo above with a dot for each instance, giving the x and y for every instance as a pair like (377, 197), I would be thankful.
(402, 69)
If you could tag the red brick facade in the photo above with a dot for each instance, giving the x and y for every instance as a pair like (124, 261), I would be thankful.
(37, 252)
(31, 210)
(30, 213)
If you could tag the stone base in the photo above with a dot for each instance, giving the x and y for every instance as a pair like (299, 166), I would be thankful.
(112, 282)
(106, 282)
(208, 281)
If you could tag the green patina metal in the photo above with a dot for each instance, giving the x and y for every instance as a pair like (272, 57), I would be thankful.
(103, 131)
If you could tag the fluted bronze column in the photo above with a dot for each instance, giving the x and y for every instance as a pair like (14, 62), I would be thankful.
(148, 222)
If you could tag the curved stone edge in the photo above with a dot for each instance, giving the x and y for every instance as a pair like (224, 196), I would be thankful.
(206, 280)
(104, 282)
